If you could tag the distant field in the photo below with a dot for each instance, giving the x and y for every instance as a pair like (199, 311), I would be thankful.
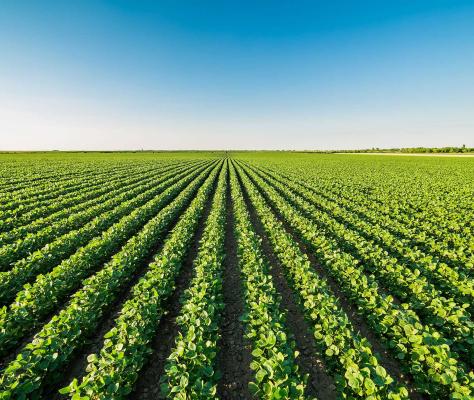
(203, 275)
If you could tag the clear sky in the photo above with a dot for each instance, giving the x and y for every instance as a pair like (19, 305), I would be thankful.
(278, 74)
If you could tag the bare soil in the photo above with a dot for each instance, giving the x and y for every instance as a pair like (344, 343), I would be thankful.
(234, 351)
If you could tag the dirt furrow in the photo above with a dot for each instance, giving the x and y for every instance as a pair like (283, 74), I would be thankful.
(234, 351)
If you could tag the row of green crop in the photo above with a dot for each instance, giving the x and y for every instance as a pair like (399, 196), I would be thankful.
(29, 176)
(42, 209)
(15, 177)
(348, 356)
(68, 174)
(385, 194)
(24, 178)
(36, 301)
(29, 200)
(404, 280)
(44, 357)
(19, 195)
(60, 248)
(112, 372)
(422, 350)
(273, 350)
(408, 236)
(190, 370)
(66, 209)
(10, 253)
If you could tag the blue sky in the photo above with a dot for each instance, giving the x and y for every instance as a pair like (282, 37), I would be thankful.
(236, 74)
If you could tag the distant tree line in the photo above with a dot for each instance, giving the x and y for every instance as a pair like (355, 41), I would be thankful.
(449, 149)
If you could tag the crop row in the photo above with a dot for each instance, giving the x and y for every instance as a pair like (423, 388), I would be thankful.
(28, 176)
(273, 350)
(35, 301)
(113, 371)
(60, 248)
(66, 177)
(44, 217)
(408, 236)
(396, 235)
(51, 348)
(407, 281)
(190, 370)
(425, 353)
(349, 356)
(27, 200)
(419, 222)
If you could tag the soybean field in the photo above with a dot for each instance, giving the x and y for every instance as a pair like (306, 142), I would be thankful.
(236, 275)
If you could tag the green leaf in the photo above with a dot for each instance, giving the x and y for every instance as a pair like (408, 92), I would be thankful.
(260, 375)
(253, 388)
(65, 390)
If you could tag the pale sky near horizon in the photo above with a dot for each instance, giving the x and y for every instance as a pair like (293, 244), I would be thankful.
(105, 75)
